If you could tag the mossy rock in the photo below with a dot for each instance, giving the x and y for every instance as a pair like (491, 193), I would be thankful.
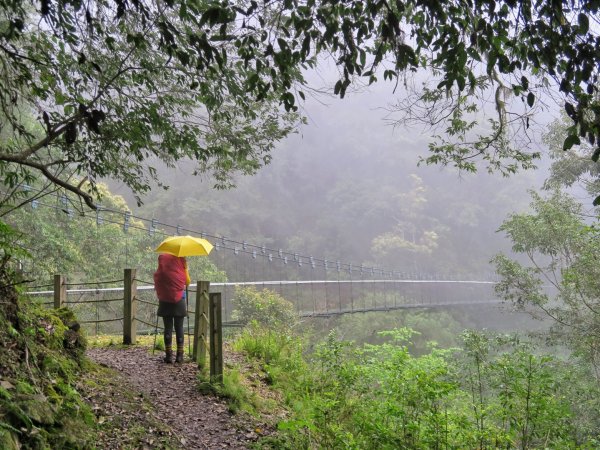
(66, 315)
(8, 440)
(41, 358)
(59, 365)
(37, 408)
(73, 339)
(73, 433)
(55, 329)
(42, 328)
(75, 343)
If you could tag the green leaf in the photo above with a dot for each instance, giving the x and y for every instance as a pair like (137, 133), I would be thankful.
(306, 45)
(530, 99)
(596, 154)
(570, 109)
(59, 98)
(337, 87)
(570, 141)
(211, 16)
(584, 23)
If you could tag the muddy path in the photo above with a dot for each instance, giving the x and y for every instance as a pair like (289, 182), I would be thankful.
(195, 420)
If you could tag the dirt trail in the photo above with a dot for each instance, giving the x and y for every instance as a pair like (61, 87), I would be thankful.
(199, 421)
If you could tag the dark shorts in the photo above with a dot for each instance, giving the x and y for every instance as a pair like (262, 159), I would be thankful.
(167, 309)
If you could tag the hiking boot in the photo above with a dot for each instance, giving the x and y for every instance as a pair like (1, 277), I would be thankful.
(168, 356)
(179, 357)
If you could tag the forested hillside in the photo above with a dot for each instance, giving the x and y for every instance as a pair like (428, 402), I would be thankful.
(348, 186)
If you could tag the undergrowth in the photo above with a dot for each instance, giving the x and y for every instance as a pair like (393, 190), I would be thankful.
(52, 397)
(41, 358)
(494, 391)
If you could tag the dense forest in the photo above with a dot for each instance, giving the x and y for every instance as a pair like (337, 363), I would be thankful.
(348, 187)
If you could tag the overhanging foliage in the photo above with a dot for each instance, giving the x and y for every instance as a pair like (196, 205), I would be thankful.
(112, 84)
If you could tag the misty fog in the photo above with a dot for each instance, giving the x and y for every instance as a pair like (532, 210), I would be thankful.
(348, 186)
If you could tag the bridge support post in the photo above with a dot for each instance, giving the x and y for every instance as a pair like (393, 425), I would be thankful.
(60, 291)
(129, 307)
(201, 321)
(216, 338)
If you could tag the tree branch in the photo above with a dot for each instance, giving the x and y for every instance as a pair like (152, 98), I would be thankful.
(87, 198)
(20, 158)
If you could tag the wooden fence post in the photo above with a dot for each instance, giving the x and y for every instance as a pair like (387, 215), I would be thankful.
(216, 338)
(60, 291)
(129, 307)
(201, 323)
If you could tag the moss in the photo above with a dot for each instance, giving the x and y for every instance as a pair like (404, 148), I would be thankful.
(54, 329)
(73, 339)
(37, 438)
(53, 396)
(4, 394)
(9, 440)
(72, 405)
(37, 408)
(58, 366)
(14, 416)
(9, 349)
(72, 433)
(24, 387)
(67, 316)
(41, 359)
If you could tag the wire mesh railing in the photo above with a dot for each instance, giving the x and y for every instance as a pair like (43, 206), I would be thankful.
(101, 310)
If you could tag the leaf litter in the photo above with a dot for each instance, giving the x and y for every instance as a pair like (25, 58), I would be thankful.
(140, 402)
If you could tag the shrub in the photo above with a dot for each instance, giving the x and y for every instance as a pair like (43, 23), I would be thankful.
(496, 393)
(281, 352)
(267, 308)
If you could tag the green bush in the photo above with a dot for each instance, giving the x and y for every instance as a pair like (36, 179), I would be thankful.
(518, 398)
(281, 352)
(495, 393)
(265, 307)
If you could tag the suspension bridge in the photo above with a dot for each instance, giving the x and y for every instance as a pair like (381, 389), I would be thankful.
(317, 287)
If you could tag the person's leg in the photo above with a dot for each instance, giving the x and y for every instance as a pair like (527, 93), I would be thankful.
(168, 337)
(179, 338)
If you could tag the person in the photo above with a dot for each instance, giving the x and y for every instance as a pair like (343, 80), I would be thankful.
(170, 281)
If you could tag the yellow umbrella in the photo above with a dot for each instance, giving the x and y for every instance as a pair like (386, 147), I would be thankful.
(184, 246)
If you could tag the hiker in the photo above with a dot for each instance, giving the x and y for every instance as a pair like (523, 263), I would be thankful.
(170, 281)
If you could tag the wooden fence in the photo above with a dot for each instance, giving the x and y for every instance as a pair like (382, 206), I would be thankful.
(208, 325)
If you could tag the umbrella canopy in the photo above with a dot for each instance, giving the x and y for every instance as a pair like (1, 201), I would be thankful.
(184, 246)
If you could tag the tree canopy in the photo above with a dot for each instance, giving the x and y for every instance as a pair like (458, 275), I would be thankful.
(103, 87)
(561, 280)
(99, 89)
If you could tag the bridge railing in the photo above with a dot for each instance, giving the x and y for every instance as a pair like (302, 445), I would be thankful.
(131, 309)
(102, 309)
